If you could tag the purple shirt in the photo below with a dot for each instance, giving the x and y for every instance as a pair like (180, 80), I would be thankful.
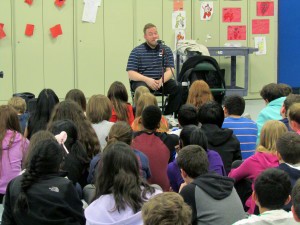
(215, 164)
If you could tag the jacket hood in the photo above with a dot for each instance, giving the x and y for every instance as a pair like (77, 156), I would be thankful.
(216, 136)
(16, 137)
(216, 186)
(266, 159)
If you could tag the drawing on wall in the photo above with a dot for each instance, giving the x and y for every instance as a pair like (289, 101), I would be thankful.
(179, 20)
(261, 26)
(179, 36)
(29, 30)
(206, 10)
(2, 33)
(236, 33)
(56, 31)
(261, 44)
(265, 8)
(59, 3)
(231, 15)
(177, 5)
(29, 2)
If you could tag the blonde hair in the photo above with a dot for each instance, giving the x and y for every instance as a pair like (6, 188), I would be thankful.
(138, 92)
(270, 132)
(199, 93)
(294, 113)
(18, 103)
(99, 108)
(145, 100)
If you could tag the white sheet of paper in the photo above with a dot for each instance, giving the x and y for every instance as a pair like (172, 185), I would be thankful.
(261, 44)
(99, 2)
(206, 10)
(90, 11)
(179, 20)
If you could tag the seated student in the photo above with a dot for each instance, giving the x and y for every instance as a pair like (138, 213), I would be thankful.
(192, 135)
(290, 100)
(288, 152)
(77, 96)
(19, 105)
(294, 117)
(296, 201)
(166, 208)
(99, 111)
(265, 157)
(243, 128)
(271, 192)
(273, 95)
(158, 147)
(120, 191)
(187, 115)
(40, 195)
(122, 110)
(211, 116)
(212, 197)
(139, 91)
(199, 93)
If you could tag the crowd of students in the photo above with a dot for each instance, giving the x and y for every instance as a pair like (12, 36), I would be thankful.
(106, 161)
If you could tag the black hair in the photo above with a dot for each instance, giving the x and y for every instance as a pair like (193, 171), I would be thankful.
(198, 137)
(272, 188)
(123, 179)
(151, 117)
(290, 100)
(187, 115)
(296, 198)
(193, 160)
(288, 145)
(271, 92)
(211, 113)
(44, 158)
(234, 104)
(77, 96)
(185, 135)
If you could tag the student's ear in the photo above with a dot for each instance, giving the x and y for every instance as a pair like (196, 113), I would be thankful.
(287, 201)
(183, 174)
(293, 125)
(254, 198)
(279, 156)
(225, 111)
(295, 214)
(283, 111)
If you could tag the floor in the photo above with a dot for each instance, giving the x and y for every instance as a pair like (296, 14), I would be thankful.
(253, 107)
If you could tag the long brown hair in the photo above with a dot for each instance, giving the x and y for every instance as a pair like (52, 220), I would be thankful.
(8, 121)
(145, 100)
(199, 93)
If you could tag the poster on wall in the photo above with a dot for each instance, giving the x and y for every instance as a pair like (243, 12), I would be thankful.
(177, 5)
(2, 33)
(206, 10)
(265, 8)
(179, 20)
(261, 44)
(231, 15)
(179, 36)
(90, 10)
(261, 26)
(29, 30)
(236, 33)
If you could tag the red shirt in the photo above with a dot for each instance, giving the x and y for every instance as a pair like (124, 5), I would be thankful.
(130, 115)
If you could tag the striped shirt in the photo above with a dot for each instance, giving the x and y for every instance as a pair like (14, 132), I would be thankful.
(246, 132)
(148, 61)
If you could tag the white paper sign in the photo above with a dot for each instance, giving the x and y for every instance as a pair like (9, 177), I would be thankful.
(206, 10)
(261, 44)
(179, 20)
(90, 11)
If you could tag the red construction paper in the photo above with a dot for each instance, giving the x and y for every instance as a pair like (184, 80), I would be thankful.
(231, 15)
(60, 3)
(261, 26)
(236, 33)
(56, 30)
(29, 2)
(2, 33)
(265, 8)
(177, 5)
(29, 30)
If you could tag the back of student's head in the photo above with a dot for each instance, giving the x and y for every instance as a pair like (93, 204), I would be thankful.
(193, 160)
(145, 100)
(290, 100)
(296, 201)
(166, 208)
(122, 179)
(8, 120)
(272, 188)
(294, 113)
(211, 113)
(288, 145)
(77, 96)
(235, 105)
(199, 93)
(185, 135)
(18, 103)
(138, 92)
(120, 131)
(285, 89)
(199, 138)
(271, 92)
(151, 117)
(99, 108)
(270, 132)
(187, 115)
(43, 159)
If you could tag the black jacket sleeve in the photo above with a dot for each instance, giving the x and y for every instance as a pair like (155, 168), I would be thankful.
(188, 194)
(7, 216)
